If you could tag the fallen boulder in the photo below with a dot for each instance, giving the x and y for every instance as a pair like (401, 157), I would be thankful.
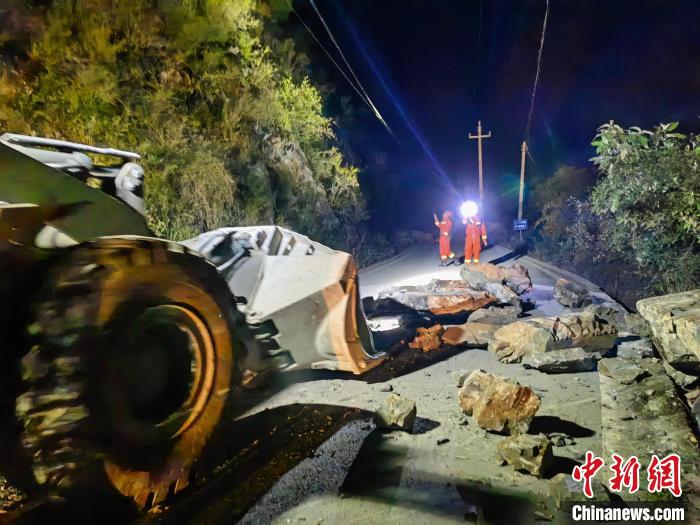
(543, 334)
(526, 453)
(397, 412)
(505, 406)
(474, 334)
(621, 370)
(496, 315)
(439, 297)
(515, 277)
(503, 295)
(428, 339)
(571, 294)
(472, 387)
(674, 321)
(562, 361)
(612, 312)
(635, 349)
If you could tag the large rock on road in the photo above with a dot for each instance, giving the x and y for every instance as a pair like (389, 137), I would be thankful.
(542, 334)
(674, 321)
(515, 277)
(498, 404)
(571, 294)
(439, 297)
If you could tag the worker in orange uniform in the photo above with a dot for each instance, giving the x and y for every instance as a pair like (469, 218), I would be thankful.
(445, 227)
(476, 234)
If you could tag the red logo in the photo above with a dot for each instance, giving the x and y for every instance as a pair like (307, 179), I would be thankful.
(665, 474)
(586, 472)
(625, 474)
(662, 474)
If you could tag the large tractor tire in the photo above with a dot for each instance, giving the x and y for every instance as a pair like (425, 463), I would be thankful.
(130, 368)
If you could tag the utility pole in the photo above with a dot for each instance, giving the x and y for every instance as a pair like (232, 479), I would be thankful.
(523, 148)
(478, 137)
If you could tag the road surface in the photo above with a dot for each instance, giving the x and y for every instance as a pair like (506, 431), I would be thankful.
(306, 451)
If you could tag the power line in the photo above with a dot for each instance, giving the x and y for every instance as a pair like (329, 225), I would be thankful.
(352, 84)
(537, 72)
(352, 72)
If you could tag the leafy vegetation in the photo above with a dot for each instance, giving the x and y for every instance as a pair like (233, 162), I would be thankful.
(231, 130)
(637, 231)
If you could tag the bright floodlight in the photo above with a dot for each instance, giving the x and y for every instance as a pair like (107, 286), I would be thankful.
(469, 209)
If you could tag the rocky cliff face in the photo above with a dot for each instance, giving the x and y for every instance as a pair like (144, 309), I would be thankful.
(289, 169)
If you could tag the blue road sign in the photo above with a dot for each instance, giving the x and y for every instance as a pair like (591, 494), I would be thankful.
(519, 225)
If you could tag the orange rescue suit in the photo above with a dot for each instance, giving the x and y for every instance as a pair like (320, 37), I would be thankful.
(476, 233)
(445, 226)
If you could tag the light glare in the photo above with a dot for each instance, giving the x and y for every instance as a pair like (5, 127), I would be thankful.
(469, 209)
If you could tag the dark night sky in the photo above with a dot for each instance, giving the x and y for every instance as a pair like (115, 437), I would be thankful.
(634, 61)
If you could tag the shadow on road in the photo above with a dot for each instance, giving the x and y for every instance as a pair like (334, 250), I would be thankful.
(377, 475)
(551, 424)
(515, 254)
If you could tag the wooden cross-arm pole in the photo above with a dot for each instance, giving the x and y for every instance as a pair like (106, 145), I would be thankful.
(479, 136)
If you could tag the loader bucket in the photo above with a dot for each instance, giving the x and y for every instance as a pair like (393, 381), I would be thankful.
(308, 291)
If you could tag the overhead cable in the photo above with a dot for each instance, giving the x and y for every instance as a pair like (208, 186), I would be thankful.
(352, 72)
(537, 72)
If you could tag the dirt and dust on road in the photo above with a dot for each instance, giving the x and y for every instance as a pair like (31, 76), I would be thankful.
(306, 447)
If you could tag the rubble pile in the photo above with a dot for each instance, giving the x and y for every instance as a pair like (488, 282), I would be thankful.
(543, 334)
(498, 404)
(570, 294)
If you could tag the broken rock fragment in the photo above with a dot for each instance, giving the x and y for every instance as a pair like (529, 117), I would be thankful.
(563, 361)
(503, 294)
(475, 334)
(496, 315)
(621, 370)
(517, 278)
(428, 339)
(397, 412)
(472, 387)
(505, 406)
(542, 334)
(526, 453)
(571, 294)
(635, 349)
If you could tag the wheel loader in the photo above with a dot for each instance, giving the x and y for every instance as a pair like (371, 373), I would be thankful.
(124, 348)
